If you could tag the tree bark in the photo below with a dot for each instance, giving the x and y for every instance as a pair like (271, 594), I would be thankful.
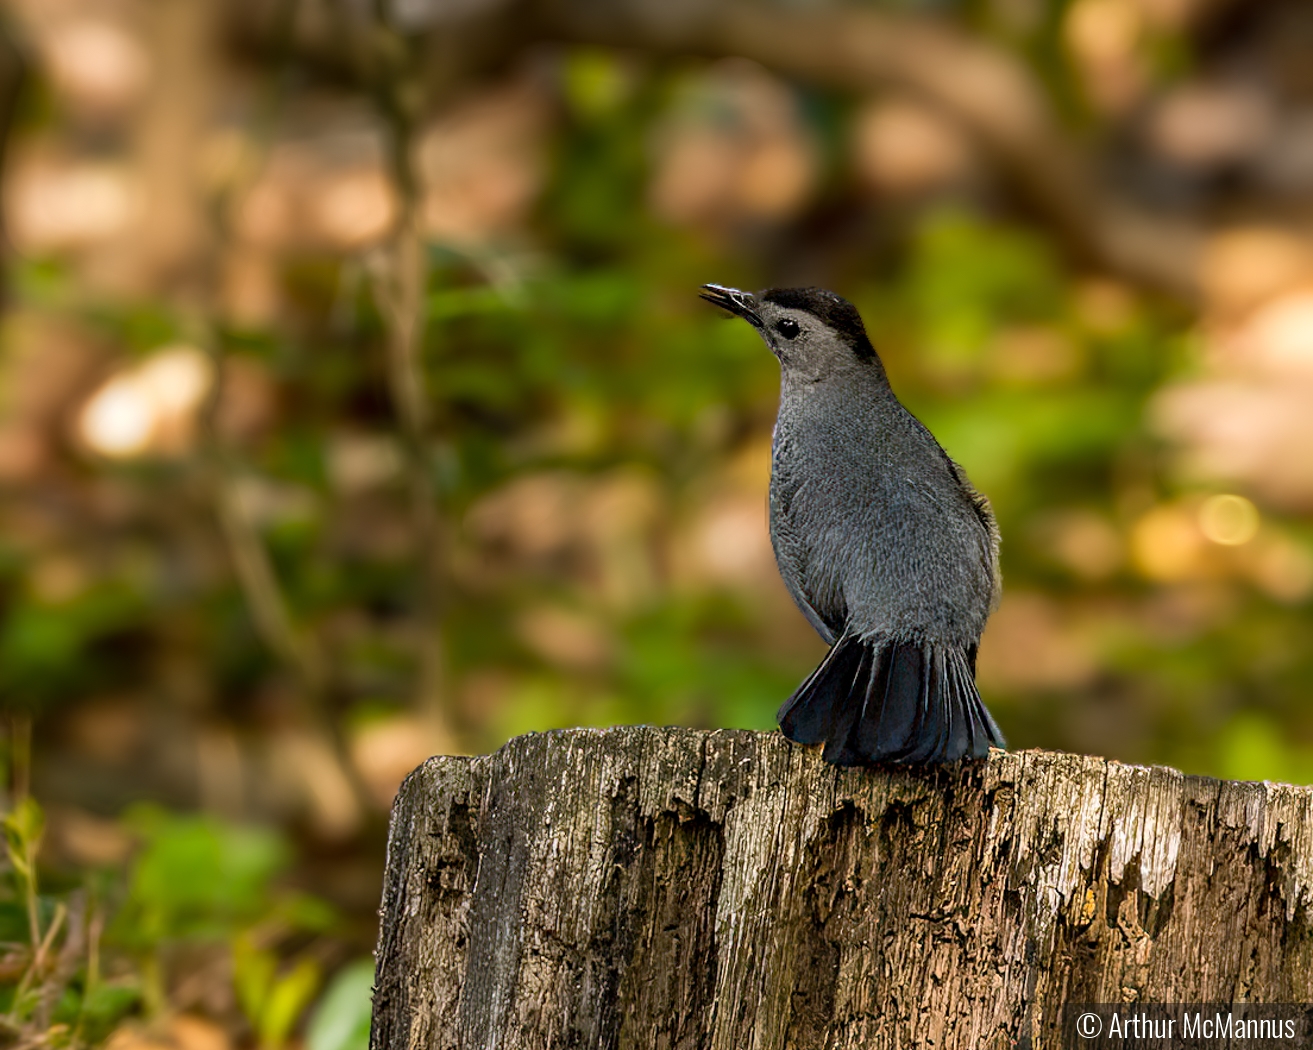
(641, 887)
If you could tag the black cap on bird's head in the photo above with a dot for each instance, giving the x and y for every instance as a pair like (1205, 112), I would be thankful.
(802, 326)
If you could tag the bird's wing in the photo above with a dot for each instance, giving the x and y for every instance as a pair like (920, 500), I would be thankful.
(980, 504)
(983, 512)
(791, 558)
(813, 617)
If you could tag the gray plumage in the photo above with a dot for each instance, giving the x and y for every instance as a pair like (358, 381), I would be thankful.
(880, 539)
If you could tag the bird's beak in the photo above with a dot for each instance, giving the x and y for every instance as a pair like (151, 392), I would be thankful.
(741, 304)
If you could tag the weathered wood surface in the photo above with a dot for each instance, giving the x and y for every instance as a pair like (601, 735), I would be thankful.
(641, 887)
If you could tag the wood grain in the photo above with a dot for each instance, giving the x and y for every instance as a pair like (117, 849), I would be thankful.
(674, 888)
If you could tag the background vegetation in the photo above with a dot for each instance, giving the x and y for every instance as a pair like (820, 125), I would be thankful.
(356, 404)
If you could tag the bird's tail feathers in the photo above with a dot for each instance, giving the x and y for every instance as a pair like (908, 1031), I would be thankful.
(888, 700)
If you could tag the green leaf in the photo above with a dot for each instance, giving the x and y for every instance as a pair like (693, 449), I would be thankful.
(197, 877)
(288, 998)
(13, 922)
(24, 825)
(341, 1019)
(253, 973)
(103, 1007)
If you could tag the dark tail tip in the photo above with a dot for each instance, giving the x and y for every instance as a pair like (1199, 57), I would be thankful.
(884, 700)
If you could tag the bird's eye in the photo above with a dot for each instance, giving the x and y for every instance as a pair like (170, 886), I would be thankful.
(788, 328)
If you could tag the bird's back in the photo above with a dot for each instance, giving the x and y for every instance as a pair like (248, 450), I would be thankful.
(875, 529)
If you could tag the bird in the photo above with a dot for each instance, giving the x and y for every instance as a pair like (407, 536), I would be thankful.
(881, 541)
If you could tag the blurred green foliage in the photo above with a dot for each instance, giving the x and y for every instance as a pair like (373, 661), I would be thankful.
(341, 1020)
(89, 952)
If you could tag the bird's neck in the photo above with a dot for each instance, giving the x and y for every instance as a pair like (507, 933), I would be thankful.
(862, 379)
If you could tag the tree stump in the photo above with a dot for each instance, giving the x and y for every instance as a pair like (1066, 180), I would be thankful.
(675, 888)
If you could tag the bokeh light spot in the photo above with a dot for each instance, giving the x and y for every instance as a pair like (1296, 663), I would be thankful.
(1166, 544)
(149, 407)
(117, 420)
(1229, 520)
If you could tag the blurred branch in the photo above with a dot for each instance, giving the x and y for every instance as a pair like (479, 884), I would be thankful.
(400, 275)
(13, 77)
(990, 94)
(19, 758)
(299, 650)
(65, 963)
(297, 647)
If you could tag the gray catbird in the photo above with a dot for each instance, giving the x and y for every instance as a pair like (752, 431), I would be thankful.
(881, 540)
